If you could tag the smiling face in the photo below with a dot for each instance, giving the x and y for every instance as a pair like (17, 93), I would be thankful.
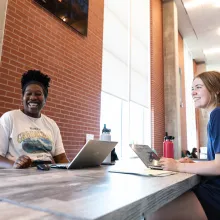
(200, 94)
(33, 100)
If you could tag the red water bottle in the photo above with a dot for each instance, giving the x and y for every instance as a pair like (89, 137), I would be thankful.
(168, 149)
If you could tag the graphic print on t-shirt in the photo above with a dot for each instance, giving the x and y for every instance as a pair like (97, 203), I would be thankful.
(35, 141)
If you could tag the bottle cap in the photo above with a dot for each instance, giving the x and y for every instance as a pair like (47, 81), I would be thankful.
(168, 137)
(106, 130)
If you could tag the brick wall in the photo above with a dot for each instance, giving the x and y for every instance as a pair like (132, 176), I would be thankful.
(157, 76)
(35, 39)
(182, 109)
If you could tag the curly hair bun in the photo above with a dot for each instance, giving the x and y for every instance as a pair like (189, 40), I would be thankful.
(35, 76)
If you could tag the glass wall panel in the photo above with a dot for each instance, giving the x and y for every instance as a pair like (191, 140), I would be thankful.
(126, 73)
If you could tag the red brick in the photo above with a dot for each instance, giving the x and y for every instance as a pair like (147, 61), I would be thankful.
(157, 96)
(6, 99)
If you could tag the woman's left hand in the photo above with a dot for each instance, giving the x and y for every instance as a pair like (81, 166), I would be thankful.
(169, 164)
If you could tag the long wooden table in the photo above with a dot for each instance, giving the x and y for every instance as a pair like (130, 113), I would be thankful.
(86, 194)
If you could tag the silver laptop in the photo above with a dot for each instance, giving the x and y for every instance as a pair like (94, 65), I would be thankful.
(92, 154)
(147, 156)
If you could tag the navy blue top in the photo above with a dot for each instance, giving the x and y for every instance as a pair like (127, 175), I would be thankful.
(213, 132)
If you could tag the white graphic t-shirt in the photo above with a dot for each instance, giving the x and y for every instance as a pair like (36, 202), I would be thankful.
(38, 138)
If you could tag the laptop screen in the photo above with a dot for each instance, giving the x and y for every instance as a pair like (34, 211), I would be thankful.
(145, 153)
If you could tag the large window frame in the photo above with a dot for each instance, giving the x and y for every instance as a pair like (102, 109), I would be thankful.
(125, 98)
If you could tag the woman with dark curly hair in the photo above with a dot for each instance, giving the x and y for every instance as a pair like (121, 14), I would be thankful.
(27, 136)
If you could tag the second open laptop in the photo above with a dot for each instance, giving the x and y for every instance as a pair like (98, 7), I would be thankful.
(147, 156)
(92, 154)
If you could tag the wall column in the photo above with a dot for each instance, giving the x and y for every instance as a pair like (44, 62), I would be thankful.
(3, 9)
(171, 74)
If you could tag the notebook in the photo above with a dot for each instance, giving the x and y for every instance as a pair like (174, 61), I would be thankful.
(147, 156)
(92, 154)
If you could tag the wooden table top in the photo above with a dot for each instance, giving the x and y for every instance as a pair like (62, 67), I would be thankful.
(92, 193)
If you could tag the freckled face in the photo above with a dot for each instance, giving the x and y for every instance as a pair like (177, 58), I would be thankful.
(200, 94)
(33, 100)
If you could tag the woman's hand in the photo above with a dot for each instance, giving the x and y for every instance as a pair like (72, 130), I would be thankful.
(169, 164)
(61, 158)
(185, 160)
(22, 162)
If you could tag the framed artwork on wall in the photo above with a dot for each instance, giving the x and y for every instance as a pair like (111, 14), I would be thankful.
(72, 12)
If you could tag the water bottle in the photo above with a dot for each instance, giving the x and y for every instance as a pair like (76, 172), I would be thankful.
(168, 149)
(106, 136)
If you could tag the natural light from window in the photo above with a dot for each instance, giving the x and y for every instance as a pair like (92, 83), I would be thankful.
(125, 98)
(190, 109)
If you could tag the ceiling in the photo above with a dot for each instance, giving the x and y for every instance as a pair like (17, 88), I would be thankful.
(199, 25)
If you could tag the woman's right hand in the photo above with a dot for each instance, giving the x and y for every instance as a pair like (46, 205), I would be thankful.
(185, 160)
(22, 162)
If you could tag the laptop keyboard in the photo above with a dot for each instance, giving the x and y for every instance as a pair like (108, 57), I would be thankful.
(60, 165)
(156, 167)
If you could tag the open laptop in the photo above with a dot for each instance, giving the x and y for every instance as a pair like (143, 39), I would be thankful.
(147, 156)
(92, 154)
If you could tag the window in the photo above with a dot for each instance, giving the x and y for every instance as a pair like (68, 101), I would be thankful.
(126, 73)
(190, 109)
